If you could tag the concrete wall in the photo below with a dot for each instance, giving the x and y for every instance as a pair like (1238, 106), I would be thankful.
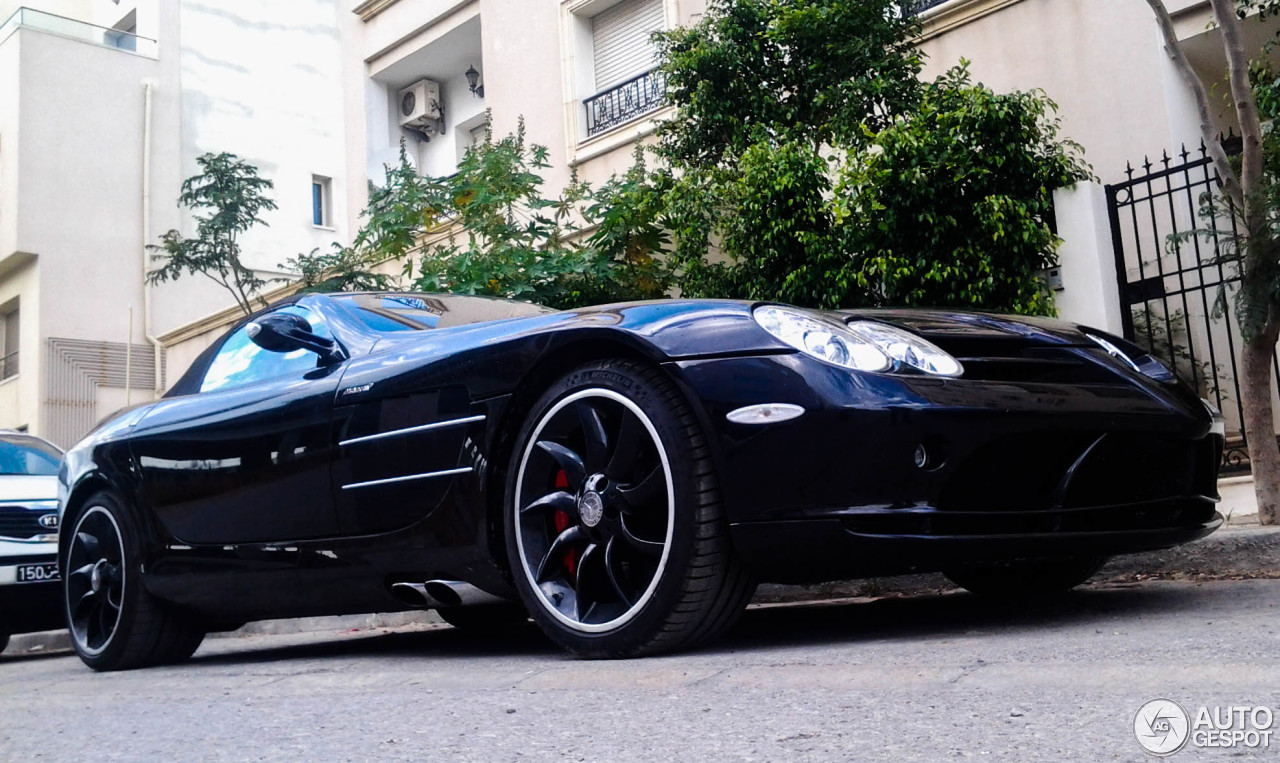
(262, 81)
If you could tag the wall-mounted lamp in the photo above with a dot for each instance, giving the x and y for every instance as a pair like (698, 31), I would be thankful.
(473, 77)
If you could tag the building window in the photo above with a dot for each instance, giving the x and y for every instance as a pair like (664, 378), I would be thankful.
(321, 202)
(9, 343)
(620, 43)
(623, 78)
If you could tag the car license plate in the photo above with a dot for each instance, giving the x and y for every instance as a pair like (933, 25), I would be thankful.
(38, 573)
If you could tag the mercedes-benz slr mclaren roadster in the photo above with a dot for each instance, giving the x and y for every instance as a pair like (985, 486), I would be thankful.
(624, 474)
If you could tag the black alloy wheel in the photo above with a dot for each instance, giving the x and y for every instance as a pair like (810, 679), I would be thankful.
(610, 485)
(115, 623)
(95, 581)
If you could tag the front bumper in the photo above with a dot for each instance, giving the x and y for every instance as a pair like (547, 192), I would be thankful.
(1011, 469)
(29, 607)
(815, 550)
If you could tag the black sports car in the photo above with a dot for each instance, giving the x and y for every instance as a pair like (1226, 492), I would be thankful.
(623, 474)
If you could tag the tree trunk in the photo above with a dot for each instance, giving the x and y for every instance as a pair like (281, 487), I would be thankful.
(1259, 423)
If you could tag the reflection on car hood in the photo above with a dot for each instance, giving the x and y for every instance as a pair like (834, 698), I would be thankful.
(961, 325)
(24, 487)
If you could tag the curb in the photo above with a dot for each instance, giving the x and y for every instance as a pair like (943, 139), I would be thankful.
(1233, 552)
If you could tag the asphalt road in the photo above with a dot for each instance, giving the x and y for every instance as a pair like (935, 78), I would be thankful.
(929, 678)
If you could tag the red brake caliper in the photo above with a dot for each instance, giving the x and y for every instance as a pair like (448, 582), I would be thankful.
(562, 520)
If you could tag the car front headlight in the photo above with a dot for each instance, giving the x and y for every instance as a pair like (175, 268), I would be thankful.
(829, 341)
(908, 348)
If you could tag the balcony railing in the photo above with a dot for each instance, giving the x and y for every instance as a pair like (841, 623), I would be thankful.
(916, 7)
(78, 30)
(9, 365)
(624, 102)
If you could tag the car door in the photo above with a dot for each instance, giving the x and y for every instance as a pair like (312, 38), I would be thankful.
(247, 460)
(399, 454)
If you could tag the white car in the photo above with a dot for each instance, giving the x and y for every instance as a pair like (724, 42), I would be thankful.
(30, 597)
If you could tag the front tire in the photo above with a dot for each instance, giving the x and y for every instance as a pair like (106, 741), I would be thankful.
(1028, 577)
(115, 623)
(615, 531)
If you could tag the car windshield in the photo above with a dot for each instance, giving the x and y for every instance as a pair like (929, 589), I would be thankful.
(27, 455)
(418, 312)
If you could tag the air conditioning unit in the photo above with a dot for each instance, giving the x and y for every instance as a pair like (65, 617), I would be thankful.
(420, 107)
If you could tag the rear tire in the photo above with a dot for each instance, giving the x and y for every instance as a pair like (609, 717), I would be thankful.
(1026, 578)
(115, 623)
(4, 641)
(615, 530)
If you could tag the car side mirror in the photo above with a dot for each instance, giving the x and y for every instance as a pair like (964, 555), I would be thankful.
(284, 332)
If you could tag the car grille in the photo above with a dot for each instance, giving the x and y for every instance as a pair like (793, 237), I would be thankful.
(1079, 482)
(1079, 470)
(23, 523)
(1016, 361)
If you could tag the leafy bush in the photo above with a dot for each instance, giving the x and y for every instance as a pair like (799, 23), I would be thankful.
(806, 163)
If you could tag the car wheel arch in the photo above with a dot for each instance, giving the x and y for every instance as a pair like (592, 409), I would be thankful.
(548, 370)
(77, 500)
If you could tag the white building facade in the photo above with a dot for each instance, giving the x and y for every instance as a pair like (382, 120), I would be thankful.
(104, 107)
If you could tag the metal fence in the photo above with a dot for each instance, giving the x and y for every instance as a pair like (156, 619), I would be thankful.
(1177, 296)
(624, 101)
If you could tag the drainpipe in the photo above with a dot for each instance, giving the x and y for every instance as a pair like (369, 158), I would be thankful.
(146, 233)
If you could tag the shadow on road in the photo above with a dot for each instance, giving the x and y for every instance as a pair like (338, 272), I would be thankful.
(931, 616)
(927, 616)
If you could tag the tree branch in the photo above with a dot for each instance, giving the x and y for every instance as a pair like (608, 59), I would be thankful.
(1230, 181)
(1242, 92)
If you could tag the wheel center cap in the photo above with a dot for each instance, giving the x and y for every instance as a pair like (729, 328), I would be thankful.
(95, 576)
(591, 508)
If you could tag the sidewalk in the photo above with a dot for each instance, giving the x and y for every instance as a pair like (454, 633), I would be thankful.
(1236, 551)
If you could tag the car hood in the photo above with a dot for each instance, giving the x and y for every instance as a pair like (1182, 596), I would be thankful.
(949, 326)
(24, 487)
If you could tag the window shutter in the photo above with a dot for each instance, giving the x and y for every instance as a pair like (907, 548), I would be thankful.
(620, 40)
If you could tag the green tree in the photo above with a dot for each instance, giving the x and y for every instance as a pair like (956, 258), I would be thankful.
(805, 150)
(502, 235)
(507, 238)
(625, 252)
(227, 199)
(342, 268)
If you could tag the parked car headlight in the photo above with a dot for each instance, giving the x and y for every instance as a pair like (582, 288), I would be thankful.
(828, 341)
(1133, 356)
(908, 348)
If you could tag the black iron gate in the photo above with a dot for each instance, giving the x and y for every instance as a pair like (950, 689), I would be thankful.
(1177, 300)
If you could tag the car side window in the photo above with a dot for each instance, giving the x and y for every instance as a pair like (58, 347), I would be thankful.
(240, 361)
